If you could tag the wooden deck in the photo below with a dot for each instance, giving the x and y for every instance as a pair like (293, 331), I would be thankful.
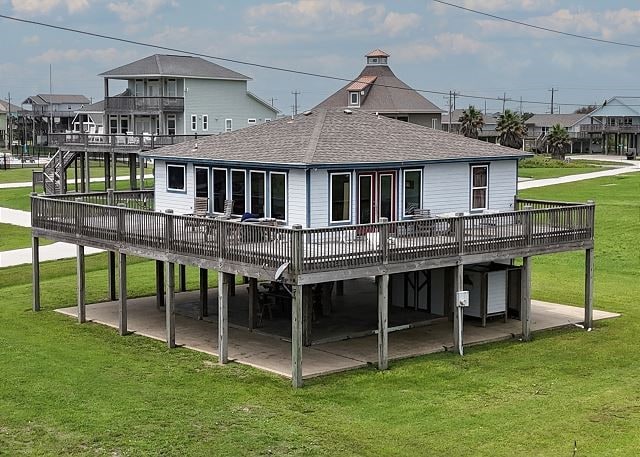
(125, 222)
(120, 143)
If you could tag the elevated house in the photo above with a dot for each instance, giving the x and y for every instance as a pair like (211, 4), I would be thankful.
(307, 203)
(614, 127)
(6, 111)
(488, 132)
(539, 125)
(378, 90)
(181, 95)
(89, 118)
(54, 113)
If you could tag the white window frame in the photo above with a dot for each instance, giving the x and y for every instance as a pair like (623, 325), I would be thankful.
(434, 123)
(350, 203)
(264, 191)
(227, 181)
(485, 188)
(351, 102)
(136, 92)
(228, 125)
(205, 122)
(246, 194)
(252, 121)
(172, 82)
(195, 180)
(184, 173)
(404, 188)
(194, 122)
(172, 117)
(286, 193)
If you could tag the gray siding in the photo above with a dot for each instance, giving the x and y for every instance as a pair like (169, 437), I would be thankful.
(503, 182)
(319, 198)
(297, 197)
(179, 202)
(222, 100)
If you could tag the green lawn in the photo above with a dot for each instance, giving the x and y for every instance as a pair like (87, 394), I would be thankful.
(541, 173)
(542, 166)
(24, 174)
(18, 197)
(70, 389)
(14, 237)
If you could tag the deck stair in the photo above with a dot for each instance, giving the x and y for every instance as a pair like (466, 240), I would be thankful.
(55, 172)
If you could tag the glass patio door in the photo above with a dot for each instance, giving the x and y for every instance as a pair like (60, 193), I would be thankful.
(376, 196)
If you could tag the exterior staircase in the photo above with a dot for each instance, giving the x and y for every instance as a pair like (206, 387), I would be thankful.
(55, 172)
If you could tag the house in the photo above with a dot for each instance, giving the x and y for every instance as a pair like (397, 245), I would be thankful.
(614, 127)
(90, 118)
(181, 95)
(488, 132)
(55, 111)
(378, 90)
(328, 196)
(539, 125)
(6, 110)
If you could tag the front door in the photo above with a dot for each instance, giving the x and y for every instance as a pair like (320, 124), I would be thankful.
(376, 196)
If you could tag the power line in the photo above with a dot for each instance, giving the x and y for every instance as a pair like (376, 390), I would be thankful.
(539, 27)
(262, 66)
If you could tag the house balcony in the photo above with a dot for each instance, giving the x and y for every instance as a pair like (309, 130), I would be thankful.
(124, 143)
(599, 128)
(126, 222)
(143, 105)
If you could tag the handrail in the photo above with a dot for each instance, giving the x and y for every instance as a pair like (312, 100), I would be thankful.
(126, 218)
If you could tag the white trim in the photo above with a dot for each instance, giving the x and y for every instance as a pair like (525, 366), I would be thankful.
(264, 191)
(205, 122)
(349, 203)
(267, 119)
(434, 123)
(194, 123)
(286, 194)
(351, 102)
(195, 180)
(184, 174)
(252, 121)
(244, 174)
(486, 188)
(404, 188)
(230, 128)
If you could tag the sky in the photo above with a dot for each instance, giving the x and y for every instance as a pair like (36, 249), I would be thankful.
(432, 47)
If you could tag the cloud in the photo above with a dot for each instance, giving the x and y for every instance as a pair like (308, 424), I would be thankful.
(45, 6)
(130, 11)
(80, 55)
(31, 40)
(501, 5)
(443, 44)
(395, 23)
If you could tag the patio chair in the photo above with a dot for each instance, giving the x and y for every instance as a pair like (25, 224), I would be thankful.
(227, 210)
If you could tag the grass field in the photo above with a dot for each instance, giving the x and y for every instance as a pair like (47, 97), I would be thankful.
(14, 237)
(542, 173)
(13, 175)
(542, 166)
(70, 389)
(18, 197)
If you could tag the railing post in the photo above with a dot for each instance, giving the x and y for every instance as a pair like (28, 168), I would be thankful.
(526, 225)
(297, 252)
(384, 239)
(78, 215)
(460, 232)
(121, 225)
(590, 222)
(168, 232)
(110, 197)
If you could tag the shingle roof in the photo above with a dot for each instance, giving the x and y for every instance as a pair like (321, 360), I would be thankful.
(387, 95)
(549, 120)
(4, 107)
(333, 137)
(97, 107)
(361, 83)
(377, 53)
(45, 99)
(456, 113)
(173, 65)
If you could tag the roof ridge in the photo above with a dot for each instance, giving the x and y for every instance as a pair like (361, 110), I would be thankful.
(315, 136)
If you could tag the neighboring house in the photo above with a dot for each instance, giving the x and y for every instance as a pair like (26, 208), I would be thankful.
(90, 118)
(378, 90)
(539, 125)
(55, 110)
(488, 132)
(614, 127)
(181, 95)
(330, 195)
(6, 111)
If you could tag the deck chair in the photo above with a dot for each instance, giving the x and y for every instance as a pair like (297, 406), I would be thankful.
(200, 206)
(228, 209)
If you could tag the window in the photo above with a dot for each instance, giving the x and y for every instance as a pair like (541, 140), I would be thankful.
(257, 192)
(202, 182)
(113, 125)
(340, 194)
(172, 88)
(412, 191)
(354, 98)
(227, 125)
(479, 186)
(205, 122)
(138, 88)
(176, 178)
(278, 194)
(434, 123)
(124, 124)
(219, 189)
(194, 122)
(171, 124)
(373, 60)
(267, 119)
(238, 191)
(251, 121)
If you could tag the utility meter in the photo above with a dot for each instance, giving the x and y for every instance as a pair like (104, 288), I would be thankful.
(462, 298)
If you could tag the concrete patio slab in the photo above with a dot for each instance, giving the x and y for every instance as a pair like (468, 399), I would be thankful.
(273, 353)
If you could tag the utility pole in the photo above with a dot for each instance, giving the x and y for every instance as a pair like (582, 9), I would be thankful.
(455, 94)
(295, 101)
(449, 124)
(273, 100)
(504, 100)
(10, 122)
(553, 91)
(485, 107)
(521, 105)
(50, 104)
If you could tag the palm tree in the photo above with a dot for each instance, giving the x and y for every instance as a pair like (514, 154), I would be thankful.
(471, 122)
(557, 141)
(511, 128)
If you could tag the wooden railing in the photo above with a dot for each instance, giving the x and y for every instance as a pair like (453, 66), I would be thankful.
(601, 128)
(111, 218)
(143, 104)
(116, 141)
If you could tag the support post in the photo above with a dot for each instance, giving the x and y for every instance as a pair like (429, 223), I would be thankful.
(159, 284)
(107, 170)
(458, 312)
(232, 285)
(133, 182)
(35, 265)
(170, 305)
(296, 336)
(588, 289)
(122, 317)
(525, 293)
(253, 303)
(383, 322)
(114, 172)
(87, 173)
(307, 314)
(141, 160)
(204, 292)
(223, 323)
(111, 272)
(80, 271)
(182, 277)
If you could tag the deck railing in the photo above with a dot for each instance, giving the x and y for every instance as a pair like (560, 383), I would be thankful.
(123, 104)
(111, 218)
(116, 141)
